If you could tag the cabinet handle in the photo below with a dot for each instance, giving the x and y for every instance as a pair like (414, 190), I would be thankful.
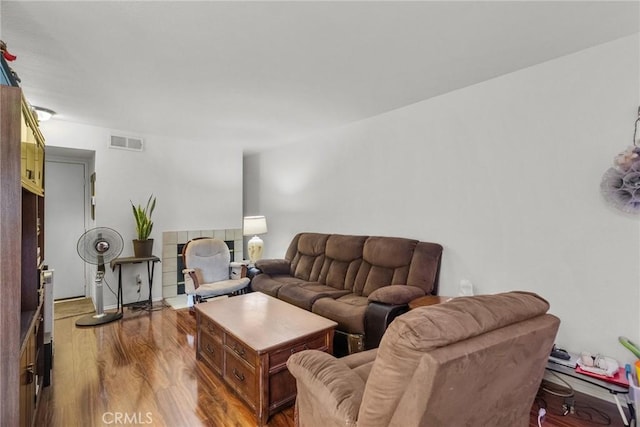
(210, 328)
(238, 375)
(209, 348)
(239, 352)
(30, 373)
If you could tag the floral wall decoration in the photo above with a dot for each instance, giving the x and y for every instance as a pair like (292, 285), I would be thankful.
(621, 183)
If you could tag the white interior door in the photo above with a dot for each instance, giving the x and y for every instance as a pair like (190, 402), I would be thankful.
(64, 224)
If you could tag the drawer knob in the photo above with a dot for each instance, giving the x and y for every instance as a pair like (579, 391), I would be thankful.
(239, 376)
(209, 348)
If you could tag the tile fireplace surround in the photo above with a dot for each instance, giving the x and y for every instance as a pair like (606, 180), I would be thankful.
(170, 255)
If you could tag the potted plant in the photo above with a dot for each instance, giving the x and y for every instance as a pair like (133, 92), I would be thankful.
(143, 246)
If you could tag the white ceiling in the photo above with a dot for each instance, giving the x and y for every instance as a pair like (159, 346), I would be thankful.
(265, 73)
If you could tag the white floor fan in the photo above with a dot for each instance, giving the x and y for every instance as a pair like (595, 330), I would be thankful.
(100, 246)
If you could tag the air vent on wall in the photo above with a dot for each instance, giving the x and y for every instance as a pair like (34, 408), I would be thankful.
(126, 143)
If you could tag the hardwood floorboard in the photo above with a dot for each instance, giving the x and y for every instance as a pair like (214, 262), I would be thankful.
(143, 370)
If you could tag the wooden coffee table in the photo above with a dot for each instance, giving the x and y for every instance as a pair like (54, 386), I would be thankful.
(247, 339)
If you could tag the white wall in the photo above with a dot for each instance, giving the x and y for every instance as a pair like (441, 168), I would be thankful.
(198, 185)
(505, 174)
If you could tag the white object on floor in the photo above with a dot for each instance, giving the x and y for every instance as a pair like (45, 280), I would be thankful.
(178, 302)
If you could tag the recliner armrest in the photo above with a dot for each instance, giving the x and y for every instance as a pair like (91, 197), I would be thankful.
(396, 294)
(327, 387)
(274, 266)
(377, 318)
(253, 272)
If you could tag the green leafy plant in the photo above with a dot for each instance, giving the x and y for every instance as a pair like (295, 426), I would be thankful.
(144, 225)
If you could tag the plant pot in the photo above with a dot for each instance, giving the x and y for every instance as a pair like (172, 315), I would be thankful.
(143, 248)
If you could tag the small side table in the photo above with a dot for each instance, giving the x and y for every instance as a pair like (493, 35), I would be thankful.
(118, 262)
(427, 300)
(613, 389)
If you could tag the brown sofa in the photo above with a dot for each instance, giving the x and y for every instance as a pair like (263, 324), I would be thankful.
(361, 282)
(472, 361)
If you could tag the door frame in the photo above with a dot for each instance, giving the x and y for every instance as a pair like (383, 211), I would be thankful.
(87, 159)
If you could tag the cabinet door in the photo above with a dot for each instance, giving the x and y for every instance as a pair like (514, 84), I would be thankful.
(32, 151)
(27, 381)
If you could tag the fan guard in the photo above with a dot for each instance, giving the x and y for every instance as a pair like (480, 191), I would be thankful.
(100, 245)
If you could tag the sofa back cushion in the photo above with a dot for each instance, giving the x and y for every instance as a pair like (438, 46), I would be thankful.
(363, 264)
(425, 267)
(425, 329)
(306, 253)
(342, 260)
(385, 261)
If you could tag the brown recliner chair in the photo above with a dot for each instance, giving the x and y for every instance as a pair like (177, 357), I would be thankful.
(472, 361)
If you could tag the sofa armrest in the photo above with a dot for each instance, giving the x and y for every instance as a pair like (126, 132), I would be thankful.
(326, 388)
(396, 294)
(274, 266)
(253, 272)
(377, 317)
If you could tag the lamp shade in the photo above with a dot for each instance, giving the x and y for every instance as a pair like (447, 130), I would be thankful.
(254, 225)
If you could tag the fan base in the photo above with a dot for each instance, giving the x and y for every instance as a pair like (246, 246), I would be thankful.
(98, 319)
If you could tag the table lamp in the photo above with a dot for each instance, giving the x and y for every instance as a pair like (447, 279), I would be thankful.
(254, 225)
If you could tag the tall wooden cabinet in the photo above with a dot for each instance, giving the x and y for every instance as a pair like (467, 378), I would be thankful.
(21, 255)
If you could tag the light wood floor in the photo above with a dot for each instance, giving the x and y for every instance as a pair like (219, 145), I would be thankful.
(143, 369)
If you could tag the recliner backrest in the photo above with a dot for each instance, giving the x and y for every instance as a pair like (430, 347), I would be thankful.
(454, 326)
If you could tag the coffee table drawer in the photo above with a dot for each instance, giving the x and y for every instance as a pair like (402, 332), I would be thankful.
(241, 377)
(241, 350)
(207, 325)
(211, 350)
(279, 358)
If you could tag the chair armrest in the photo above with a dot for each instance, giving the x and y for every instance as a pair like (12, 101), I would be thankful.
(191, 282)
(238, 264)
(327, 388)
(274, 266)
(238, 270)
(396, 294)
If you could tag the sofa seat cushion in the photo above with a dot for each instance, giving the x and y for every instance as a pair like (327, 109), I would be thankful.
(305, 294)
(347, 310)
(271, 285)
